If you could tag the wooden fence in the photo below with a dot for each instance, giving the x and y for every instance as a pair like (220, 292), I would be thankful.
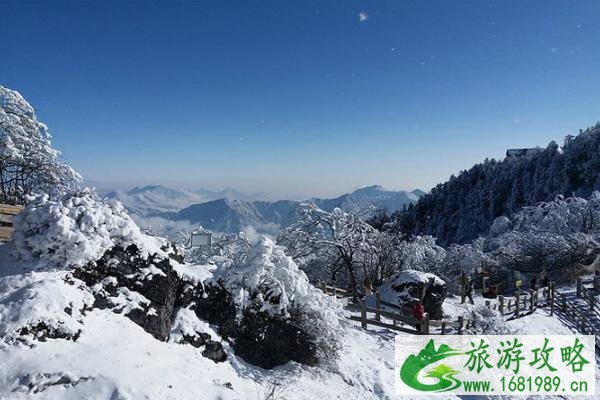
(7, 214)
(402, 319)
(523, 303)
(589, 295)
(333, 291)
(519, 305)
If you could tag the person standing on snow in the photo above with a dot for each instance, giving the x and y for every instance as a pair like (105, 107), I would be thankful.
(418, 313)
(469, 289)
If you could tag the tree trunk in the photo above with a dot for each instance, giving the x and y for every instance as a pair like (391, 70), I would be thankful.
(353, 284)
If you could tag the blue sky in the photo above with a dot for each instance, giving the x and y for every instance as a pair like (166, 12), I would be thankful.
(300, 98)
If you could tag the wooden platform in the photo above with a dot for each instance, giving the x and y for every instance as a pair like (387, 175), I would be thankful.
(7, 215)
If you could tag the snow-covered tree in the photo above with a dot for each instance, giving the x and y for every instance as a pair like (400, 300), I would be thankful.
(464, 207)
(277, 310)
(381, 259)
(338, 239)
(230, 245)
(75, 229)
(28, 162)
(421, 253)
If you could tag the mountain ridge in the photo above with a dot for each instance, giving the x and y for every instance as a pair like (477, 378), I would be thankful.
(232, 215)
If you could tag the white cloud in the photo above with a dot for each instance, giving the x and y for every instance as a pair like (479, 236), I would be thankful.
(363, 16)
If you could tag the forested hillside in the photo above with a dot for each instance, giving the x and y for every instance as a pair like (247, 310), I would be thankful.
(465, 206)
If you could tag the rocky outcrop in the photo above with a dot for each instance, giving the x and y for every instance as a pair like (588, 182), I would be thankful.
(408, 285)
(148, 291)
(258, 337)
(144, 289)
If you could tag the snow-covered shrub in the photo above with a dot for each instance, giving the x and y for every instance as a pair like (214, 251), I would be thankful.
(485, 321)
(501, 225)
(279, 316)
(463, 258)
(76, 229)
(273, 279)
(421, 254)
(27, 159)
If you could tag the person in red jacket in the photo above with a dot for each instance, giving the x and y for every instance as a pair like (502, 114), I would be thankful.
(418, 312)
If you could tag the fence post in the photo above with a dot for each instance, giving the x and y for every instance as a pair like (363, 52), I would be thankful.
(501, 307)
(531, 301)
(443, 327)
(488, 304)
(378, 305)
(363, 315)
(324, 287)
(460, 325)
(425, 329)
(564, 302)
(551, 298)
(578, 286)
(462, 287)
(518, 305)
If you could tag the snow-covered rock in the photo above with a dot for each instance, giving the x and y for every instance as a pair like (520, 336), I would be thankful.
(408, 285)
(142, 287)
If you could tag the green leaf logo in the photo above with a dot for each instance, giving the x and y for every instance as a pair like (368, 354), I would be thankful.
(409, 372)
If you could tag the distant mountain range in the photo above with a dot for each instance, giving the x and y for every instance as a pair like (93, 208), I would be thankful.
(154, 199)
(231, 211)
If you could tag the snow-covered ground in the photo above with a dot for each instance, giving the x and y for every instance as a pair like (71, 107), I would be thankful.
(113, 358)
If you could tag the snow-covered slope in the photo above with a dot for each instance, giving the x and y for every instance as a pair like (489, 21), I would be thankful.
(114, 358)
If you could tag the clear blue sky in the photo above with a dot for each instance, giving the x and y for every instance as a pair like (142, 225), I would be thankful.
(303, 98)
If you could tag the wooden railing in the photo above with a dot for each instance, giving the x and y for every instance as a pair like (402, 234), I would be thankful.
(7, 214)
(570, 309)
(401, 318)
(589, 295)
(523, 303)
(333, 291)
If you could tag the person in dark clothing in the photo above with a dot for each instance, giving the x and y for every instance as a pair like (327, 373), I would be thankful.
(368, 287)
(533, 283)
(418, 313)
(546, 281)
(469, 289)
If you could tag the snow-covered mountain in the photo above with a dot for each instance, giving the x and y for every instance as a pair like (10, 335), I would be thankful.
(226, 215)
(232, 215)
(366, 198)
(152, 199)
